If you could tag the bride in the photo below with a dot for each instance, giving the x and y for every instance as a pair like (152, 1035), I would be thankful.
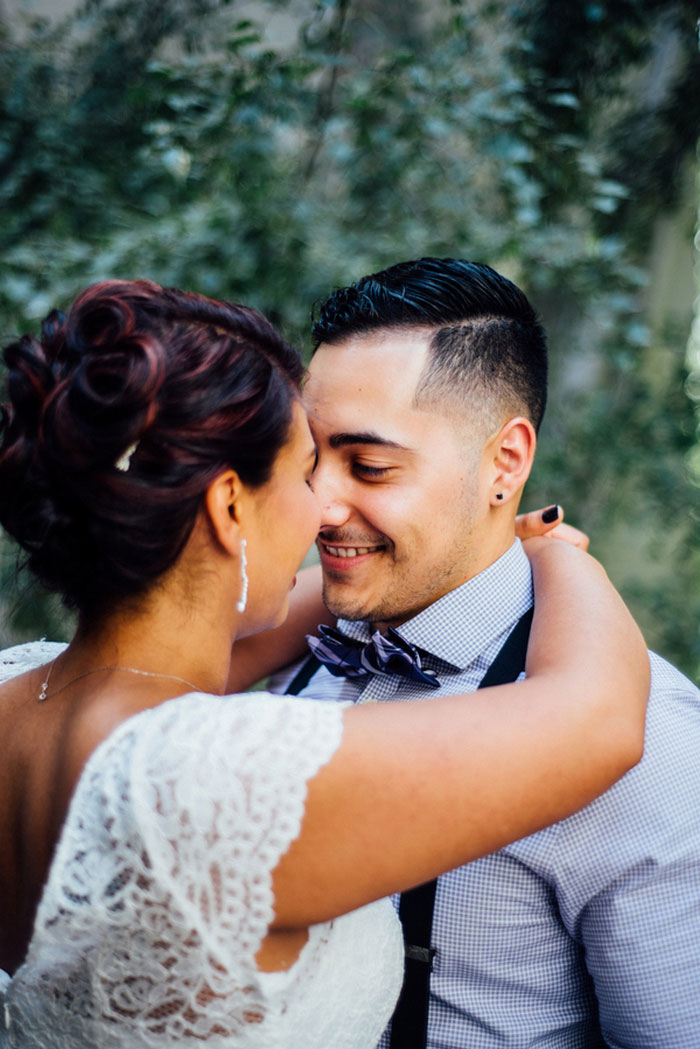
(174, 860)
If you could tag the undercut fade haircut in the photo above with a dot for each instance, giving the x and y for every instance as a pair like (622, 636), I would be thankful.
(487, 344)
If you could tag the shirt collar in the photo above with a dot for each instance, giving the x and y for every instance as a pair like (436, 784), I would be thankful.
(458, 627)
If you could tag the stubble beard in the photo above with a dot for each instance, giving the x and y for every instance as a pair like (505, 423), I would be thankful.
(400, 601)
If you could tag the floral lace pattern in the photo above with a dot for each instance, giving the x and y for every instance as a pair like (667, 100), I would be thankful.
(17, 660)
(160, 891)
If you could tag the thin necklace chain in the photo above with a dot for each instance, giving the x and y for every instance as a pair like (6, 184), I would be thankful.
(43, 695)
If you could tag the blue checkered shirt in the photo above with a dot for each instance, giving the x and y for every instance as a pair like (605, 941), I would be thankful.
(587, 933)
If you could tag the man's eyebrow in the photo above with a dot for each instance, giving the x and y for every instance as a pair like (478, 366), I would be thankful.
(341, 440)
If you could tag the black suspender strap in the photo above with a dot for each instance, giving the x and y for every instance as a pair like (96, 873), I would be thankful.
(302, 677)
(510, 661)
(409, 1026)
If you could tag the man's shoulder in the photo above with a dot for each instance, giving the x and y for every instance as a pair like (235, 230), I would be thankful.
(667, 679)
(671, 743)
(672, 737)
(652, 805)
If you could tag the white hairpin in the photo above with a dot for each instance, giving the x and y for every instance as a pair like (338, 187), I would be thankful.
(124, 461)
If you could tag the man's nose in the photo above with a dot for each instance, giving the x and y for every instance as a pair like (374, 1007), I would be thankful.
(332, 498)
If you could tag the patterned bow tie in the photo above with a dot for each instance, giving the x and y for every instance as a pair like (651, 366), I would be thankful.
(384, 654)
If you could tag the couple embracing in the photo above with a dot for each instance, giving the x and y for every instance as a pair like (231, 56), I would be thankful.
(423, 396)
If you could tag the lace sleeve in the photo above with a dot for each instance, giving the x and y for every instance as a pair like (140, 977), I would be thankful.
(160, 893)
(15, 661)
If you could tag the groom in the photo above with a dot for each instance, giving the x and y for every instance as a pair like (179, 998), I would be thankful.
(425, 394)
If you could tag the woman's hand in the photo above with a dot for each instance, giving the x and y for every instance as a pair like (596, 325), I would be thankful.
(549, 524)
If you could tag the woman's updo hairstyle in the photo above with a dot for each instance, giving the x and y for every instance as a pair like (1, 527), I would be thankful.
(119, 418)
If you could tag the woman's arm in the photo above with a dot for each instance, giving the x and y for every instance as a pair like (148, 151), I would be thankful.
(253, 658)
(419, 788)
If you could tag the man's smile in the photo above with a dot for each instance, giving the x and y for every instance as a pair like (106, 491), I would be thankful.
(346, 555)
(348, 551)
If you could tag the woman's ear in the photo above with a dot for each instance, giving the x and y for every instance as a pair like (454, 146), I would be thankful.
(224, 504)
(513, 452)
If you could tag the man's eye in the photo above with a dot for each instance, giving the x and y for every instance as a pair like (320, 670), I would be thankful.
(371, 471)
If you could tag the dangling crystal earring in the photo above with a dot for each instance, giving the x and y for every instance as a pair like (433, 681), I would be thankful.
(243, 599)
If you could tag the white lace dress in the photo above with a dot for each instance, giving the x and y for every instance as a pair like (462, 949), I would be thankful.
(159, 893)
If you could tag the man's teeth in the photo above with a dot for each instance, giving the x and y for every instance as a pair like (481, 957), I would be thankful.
(348, 551)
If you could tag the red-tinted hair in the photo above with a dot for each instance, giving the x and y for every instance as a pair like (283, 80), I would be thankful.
(196, 385)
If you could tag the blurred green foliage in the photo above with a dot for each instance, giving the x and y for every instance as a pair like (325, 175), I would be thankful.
(177, 140)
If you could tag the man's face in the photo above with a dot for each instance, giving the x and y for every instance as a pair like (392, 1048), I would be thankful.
(402, 489)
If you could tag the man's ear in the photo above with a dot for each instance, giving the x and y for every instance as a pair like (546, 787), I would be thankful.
(223, 504)
(513, 449)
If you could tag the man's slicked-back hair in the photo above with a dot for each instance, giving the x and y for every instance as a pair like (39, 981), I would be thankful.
(486, 341)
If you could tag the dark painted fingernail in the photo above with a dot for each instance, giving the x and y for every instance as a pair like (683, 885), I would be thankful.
(550, 514)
